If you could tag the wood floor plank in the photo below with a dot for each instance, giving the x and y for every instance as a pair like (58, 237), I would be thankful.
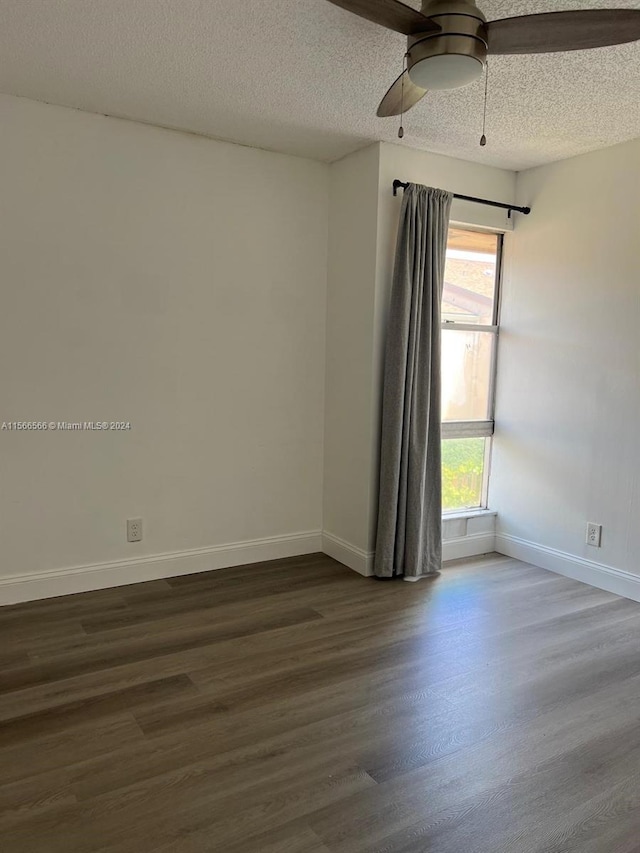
(607, 821)
(216, 593)
(341, 715)
(296, 707)
(196, 611)
(470, 771)
(20, 637)
(192, 809)
(272, 568)
(292, 838)
(184, 632)
(54, 694)
(27, 797)
(507, 818)
(82, 742)
(86, 658)
(40, 723)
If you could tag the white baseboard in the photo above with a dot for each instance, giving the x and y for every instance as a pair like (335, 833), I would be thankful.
(595, 574)
(349, 555)
(472, 545)
(49, 584)
(362, 561)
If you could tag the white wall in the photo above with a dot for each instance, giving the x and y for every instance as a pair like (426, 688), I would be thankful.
(568, 413)
(353, 234)
(176, 283)
(362, 248)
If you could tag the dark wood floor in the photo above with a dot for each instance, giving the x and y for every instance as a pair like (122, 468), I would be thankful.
(299, 708)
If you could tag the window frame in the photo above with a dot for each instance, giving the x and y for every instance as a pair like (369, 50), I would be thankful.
(480, 428)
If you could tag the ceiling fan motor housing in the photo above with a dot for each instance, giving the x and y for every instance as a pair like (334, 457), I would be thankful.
(454, 57)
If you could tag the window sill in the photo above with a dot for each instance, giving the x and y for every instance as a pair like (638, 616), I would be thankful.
(467, 513)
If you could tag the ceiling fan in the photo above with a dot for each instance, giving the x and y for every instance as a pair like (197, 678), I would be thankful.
(449, 40)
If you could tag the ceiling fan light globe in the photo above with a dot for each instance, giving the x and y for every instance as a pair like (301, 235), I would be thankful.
(448, 71)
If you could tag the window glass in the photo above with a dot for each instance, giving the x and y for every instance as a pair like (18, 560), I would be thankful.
(470, 277)
(469, 299)
(467, 365)
(463, 469)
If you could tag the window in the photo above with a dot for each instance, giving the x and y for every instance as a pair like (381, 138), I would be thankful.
(469, 344)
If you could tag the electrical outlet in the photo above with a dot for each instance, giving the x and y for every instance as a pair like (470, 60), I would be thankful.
(594, 534)
(134, 530)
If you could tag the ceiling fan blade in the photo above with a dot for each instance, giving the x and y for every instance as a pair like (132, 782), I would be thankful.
(391, 14)
(560, 31)
(400, 98)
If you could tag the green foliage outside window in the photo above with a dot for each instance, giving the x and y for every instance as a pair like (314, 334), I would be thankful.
(462, 472)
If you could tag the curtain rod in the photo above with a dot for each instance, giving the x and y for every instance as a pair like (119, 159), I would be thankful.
(510, 207)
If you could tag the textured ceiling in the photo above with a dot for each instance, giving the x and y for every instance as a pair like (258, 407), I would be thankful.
(305, 77)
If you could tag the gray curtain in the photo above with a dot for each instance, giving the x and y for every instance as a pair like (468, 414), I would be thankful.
(409, 540)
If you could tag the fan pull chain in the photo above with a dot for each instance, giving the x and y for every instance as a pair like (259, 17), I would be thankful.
(483, 138)
(404, 68)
